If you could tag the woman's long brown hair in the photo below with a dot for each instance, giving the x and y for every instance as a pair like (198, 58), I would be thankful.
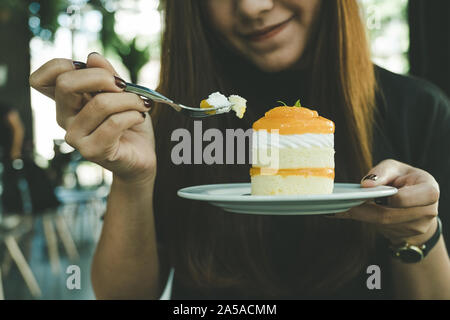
(262, 256)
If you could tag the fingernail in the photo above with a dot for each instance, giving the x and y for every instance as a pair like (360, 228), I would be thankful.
(79, 65)
(372, 177)
(120, 82)
(147, 102)
(382, 201)
(92, 53)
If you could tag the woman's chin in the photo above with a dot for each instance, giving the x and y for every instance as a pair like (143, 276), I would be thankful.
(275, 63)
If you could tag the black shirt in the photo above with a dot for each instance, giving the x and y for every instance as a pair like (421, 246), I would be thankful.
(414, 128)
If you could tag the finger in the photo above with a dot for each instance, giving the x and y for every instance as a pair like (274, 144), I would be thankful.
(87, 81)
(416, 189)
(44, 78)
(72, 86)
(372, 213)
(418, 195)
(96, 60)
(384, 173)
(415, 176)
(103, 143)
(101, 107)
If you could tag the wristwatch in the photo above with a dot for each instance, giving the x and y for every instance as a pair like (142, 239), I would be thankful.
(408, 253)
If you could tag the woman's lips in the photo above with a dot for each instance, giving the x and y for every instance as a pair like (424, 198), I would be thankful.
(267, 33)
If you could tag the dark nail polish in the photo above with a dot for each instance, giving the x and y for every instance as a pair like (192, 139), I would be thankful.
(79, 65)
(372, 177)
(144, 115)
(120, 82)
(382, 201)
(92, 53)
(147, 102)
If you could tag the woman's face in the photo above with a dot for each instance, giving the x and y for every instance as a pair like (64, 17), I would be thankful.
(271, 33)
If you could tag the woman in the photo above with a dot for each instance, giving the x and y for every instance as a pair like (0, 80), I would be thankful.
(264, 50)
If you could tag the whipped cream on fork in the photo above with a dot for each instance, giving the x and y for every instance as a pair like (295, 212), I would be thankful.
(224, 104)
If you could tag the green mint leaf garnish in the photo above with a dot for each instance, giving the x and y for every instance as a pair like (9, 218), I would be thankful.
(298, 104)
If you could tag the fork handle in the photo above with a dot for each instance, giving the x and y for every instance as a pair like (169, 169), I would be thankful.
(146, 92)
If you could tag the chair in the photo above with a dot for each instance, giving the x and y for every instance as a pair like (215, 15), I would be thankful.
(12, 228)
(37, 191)
(9, 233)
(78, 200)
(51, 220)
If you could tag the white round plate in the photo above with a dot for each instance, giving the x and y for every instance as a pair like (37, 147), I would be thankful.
(236, 197)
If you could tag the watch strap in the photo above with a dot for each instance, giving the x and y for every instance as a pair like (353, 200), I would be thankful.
(427, 246)
(420, 251)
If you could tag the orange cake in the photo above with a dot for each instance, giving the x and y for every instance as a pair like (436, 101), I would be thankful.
(293, 153)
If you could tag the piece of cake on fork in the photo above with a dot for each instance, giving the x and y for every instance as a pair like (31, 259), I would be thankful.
(293, 153)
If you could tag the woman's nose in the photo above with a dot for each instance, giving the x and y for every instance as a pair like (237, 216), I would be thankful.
(253, 9)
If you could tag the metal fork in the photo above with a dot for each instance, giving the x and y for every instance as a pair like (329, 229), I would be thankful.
(188, 111)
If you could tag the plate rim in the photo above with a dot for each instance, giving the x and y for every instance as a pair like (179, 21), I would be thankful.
(377, 192)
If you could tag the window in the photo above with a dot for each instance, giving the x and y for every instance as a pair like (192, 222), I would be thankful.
(388, 31)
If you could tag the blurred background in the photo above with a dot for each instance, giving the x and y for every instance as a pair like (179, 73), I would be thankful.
(53, 200)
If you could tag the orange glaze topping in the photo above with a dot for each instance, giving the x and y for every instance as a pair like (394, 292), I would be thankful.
(316, 172)
(205, 105)
(294, 120)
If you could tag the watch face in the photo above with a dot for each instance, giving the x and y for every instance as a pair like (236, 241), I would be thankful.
(410, 254)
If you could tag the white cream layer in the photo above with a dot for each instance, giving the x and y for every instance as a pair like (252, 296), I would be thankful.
(263, 139)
